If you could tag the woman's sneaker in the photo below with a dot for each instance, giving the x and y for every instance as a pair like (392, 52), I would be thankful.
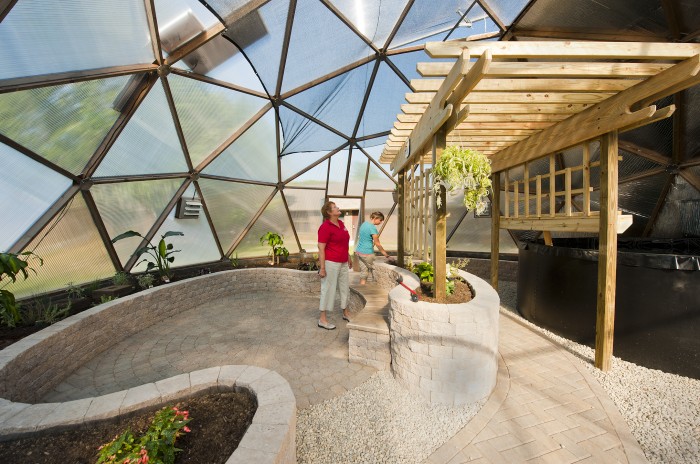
(327, 325)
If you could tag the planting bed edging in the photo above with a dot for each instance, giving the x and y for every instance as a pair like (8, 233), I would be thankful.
(447, 353)
(269, 439)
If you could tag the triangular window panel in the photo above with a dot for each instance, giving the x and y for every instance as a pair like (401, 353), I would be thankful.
(375, 19)
(260, 34)
(337, 102)
(220, 59)
(302, 134)
(274, 219)
(27, 191)
(305, 207)
(132, 206)
(408, 62)
(428, 19)
(232, 205)
(358, 169)
(40, 37)
(378, 180)
(253, 156)
(72, 250)
(148, 144)
(507, 10)
(313, 178)
(679, 213)
(209, 114)
(314, 31)
(64, 124)
(296, 162)
(388, 94)
(197, 245)
(374, 143)
(338, 173)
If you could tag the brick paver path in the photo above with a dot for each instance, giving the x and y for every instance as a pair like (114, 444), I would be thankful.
(275, 330)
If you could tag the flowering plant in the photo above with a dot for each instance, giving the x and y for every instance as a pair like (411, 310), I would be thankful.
(156, 446)
(462, 168)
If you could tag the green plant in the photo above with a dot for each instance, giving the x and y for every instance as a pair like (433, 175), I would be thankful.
(276, 244)
(424, 271)
(462, 168)
(74, 292)
(161, 254)
(157, 445)
(121, 278)
(11, 266)
(234, 261)
(145, 281)
(107, 298)
(43, 311)
(450, 287)
(92, 286)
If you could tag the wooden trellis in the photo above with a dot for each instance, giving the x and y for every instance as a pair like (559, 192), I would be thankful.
(419, 225)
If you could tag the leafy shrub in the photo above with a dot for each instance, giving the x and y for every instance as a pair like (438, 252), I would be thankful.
(160, 255)
(464, 169)
(145, 281)
(424, 271)
(121, 278)
(276, 244)
(74, 292)
(11, 266)
(43, 311)
(156, 445)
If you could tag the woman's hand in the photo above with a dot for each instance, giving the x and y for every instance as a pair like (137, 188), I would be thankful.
(322, 273)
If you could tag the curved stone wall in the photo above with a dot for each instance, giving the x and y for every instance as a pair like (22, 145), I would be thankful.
(447, 353)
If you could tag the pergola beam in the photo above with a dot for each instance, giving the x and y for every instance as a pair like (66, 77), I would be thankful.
(535, 85)
(555, 69)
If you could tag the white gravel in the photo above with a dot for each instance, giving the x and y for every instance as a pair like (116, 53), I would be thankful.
(662, 410)
(377, 422)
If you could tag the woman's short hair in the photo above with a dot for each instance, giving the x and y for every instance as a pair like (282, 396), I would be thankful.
(377, 215)
(326, 209)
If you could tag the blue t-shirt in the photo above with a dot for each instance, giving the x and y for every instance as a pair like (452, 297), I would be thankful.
(365, 244)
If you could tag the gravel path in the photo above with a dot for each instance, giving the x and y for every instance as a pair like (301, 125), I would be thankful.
(662, 410)
(377, 422)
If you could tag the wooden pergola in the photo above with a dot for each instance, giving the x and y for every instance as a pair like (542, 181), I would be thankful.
(518, 102)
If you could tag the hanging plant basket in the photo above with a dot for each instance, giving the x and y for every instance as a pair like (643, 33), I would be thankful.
(464, 169)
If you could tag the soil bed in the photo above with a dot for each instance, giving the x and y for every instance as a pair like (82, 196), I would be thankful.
(219, 421)
(462, 294)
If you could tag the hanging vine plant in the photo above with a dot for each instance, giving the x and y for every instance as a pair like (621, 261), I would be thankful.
(463, 169)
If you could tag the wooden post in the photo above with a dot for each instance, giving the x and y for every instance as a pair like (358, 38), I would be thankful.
(607, 257)
(440, 252)
(495, 226)
(402, 212)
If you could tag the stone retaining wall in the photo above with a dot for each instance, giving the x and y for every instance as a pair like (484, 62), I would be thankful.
(447, 353)
(32, 367)
(270, 439)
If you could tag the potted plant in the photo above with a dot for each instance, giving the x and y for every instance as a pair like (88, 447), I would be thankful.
(463, 169)
(276, 244)
(11, 266)
(161, 254)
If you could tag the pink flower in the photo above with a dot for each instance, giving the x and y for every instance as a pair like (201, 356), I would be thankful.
(186, 429)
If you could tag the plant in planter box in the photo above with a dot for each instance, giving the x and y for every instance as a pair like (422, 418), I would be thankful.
(463, 169)
(145, 281)
(276, 244)
(11, 266)
(160, 256)
(426, 274)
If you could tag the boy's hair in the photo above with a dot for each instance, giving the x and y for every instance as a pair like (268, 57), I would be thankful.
(377, 215)
(326, 209)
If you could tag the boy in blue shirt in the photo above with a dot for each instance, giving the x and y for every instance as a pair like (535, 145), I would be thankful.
(368, 239)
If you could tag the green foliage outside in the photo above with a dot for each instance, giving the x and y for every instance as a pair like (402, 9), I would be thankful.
(157, 445)
(11, 266)
(464, 169)
(160, 255)
(276, 244)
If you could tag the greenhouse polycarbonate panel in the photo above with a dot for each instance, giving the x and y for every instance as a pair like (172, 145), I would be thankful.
(209, 114)
(232, 205)
(473, 234)
(236, 69)
(27, 191)
(132, 206)
(383, 202)
(274, 219)
(358, 169)
(72, 250)
(180, 21)
(377, 179)
(295, 162)
(507, 10)
(338, 173)
(252, 156)
(385, 100)
(305, 207)
(319, 45)
(64, 124)
(408, 63)
(148, 144)
(691, 145)
(196, 246)
(428, 18)
(302, 134)
(670, 222)
(313, 178)
(42, 37)
(336, 102)
(375, 19)
(639, 198)
(260, 35)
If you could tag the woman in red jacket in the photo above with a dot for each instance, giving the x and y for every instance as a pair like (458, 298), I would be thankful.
(333, 262)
